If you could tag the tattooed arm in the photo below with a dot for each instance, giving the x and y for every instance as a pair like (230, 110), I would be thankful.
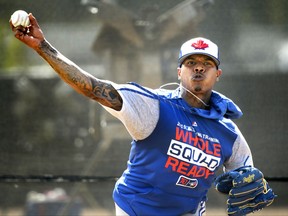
(84, 83)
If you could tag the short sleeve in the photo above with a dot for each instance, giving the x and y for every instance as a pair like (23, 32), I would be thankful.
(139, 113)
(241, 154)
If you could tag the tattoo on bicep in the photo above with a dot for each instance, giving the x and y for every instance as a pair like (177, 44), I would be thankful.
(107, 95)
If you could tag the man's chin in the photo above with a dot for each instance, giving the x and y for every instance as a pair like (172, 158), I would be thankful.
(198, 89)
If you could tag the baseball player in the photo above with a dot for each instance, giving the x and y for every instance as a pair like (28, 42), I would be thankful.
(180, 137)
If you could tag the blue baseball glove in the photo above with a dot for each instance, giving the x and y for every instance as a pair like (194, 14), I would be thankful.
(247, 190)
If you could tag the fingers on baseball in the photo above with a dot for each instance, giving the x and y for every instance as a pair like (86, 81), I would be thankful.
(33, 21)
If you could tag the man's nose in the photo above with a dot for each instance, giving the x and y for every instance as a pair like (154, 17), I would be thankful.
(199, 68)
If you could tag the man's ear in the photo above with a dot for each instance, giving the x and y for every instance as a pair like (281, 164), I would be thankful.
(219, 73)
(179, 73)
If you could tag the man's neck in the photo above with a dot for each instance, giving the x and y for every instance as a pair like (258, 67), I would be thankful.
(200, 101)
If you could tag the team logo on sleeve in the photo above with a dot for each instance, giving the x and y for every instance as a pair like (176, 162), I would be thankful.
(187, 182)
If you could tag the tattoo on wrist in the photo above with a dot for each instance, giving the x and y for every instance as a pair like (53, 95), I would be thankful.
(44, 45)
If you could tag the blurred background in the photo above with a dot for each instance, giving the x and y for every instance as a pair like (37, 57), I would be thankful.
(61, 153)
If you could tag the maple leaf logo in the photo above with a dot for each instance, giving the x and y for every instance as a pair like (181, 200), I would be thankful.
(200, 45)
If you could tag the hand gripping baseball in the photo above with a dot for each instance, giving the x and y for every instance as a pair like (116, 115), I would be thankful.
(31, 35)
(247, 189)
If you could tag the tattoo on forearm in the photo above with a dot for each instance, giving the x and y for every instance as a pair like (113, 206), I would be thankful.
(84, 83)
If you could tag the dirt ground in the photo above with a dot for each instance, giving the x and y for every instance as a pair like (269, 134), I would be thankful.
(210, 212)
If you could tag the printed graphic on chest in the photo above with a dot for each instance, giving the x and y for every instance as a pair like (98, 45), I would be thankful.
(193, 155)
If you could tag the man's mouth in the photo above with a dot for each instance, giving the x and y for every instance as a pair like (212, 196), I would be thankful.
(198, 77)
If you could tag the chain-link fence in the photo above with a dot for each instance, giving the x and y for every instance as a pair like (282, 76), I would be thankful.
(61, 153)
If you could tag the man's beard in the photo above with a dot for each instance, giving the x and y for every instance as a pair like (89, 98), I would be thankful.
(197, 89)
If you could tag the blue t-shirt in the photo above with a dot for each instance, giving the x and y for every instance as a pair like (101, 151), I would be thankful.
(170, 171)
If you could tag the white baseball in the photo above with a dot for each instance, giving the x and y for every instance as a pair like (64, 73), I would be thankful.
(20, 17)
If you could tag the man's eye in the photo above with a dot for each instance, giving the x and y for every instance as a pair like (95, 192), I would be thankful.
(207, 63)
(190, 62)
